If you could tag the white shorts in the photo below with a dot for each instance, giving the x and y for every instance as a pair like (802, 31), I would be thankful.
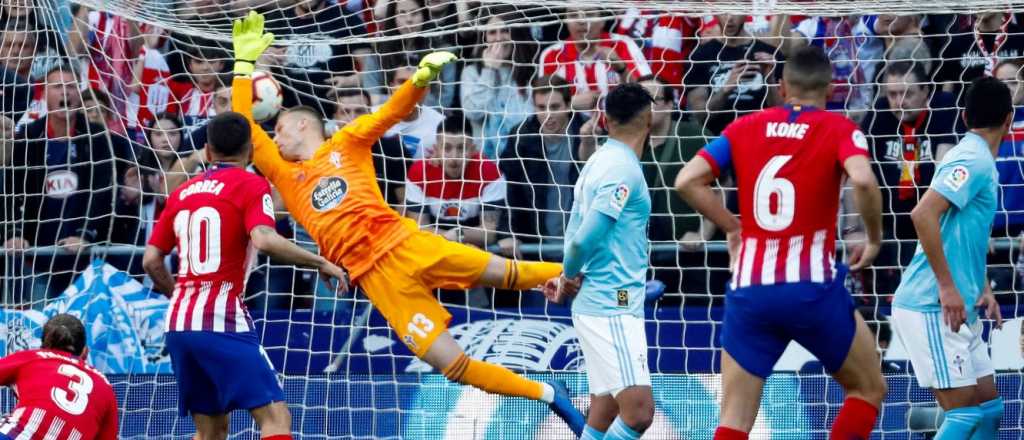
(614, 351)
(942, 359)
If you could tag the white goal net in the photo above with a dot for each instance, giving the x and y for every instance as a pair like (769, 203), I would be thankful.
(141, 78)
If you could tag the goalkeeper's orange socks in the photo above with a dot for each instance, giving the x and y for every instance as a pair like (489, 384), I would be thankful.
(496, 379)
(523, 275)
(855, 420)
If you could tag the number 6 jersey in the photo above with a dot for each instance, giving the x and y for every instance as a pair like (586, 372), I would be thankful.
(60, 397)
(788, 164)
(209, 219)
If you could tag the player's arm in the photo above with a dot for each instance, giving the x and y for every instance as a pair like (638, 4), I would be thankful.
(160, 244)
(867, 198)
(10, 365)
(183, 169)
(694, 184)
(266, 240)
(249, 43)
(367, 129)
(592, 234)
(926, 217)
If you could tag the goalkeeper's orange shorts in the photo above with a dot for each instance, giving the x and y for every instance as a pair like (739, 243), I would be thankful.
(401, 285)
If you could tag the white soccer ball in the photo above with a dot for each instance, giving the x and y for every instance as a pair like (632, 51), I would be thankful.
(266, 96)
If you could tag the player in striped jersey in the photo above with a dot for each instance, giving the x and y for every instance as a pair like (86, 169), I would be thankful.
(212, 219)
(789, 162)
(60, 397)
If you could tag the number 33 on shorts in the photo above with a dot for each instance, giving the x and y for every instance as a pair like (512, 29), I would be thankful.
(420, 326)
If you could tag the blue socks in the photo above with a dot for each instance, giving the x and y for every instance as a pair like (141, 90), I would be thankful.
(960, 423)
(591, 433)
(620, 431)
(991, 415)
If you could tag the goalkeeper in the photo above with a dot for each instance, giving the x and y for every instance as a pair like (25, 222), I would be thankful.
(329, 186)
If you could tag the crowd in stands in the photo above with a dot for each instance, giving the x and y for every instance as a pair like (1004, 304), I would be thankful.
(102, 117)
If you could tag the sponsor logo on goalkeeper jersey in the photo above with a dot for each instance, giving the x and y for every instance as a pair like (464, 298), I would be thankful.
(60, 184)
(329, 193)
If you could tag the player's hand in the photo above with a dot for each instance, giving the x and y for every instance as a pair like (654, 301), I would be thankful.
(988, 302)
(954, 313)
(733, 241)
(867, 255)
(430, 67)
(249, 42)
(16, 244)
(691, 241)
(330, 270)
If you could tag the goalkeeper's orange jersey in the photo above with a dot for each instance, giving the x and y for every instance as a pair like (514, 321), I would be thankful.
(334, 195)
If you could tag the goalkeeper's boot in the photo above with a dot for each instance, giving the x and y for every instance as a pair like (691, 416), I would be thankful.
(563, 407)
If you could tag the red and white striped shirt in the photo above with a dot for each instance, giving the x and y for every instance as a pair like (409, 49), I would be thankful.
(209, 219)
(60, 397)
(788, 163)
(154, 95)
(192, 104)
(668, 40)
(563, 59)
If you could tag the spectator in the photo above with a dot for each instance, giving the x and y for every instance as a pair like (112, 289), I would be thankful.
(15, 91)
(458, 191)
(196, 138)
(418, 131)
(1009, 221)
(389, 158)
(970, 55)
(192, 96)
(406, 19)
(100, 111)
(149, 94)
(842, 38)
(591, 59)
(909, 131)
(541, 164)
(62, 189)
(735, 71)
(496, 81)
(140, 199)
(666, 40)
(320, 63)
(104, 45)
(6, 141)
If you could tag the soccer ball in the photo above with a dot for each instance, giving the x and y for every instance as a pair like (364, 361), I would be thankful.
(266, 96)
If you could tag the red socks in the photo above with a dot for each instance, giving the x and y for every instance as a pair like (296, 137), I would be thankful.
(855, 420)
(723, 433)
(278, 437)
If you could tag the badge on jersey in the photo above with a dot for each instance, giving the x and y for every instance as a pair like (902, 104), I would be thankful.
(268, 205)
(859, 140)
(620, 196)
(957, 177)
(336, 159)
(329, 193)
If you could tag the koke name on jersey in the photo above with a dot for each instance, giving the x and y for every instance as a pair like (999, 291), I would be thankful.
(786, 130)
(202, 187)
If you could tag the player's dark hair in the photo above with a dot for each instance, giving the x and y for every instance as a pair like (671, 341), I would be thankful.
(988, 103)
(228, 134)
(456, 124)
(913, 68)
(625, 102)
(808, 70)
(311, 113)
(64, 332)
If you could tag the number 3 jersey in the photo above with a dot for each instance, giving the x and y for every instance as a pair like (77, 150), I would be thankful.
(788, 164)
(60, 397)
(209, 219)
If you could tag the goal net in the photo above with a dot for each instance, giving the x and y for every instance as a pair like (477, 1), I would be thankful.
(140, 78)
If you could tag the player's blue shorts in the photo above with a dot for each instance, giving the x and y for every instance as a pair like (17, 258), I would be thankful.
(220, 372)
(760, 321)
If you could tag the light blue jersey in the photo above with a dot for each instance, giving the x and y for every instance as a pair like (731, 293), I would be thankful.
(612, 183)
(967, 178)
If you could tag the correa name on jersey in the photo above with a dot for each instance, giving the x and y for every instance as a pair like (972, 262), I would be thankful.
(203, 186)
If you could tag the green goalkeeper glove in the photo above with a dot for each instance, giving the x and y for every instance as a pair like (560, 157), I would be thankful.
(430, 67)
(250, 41)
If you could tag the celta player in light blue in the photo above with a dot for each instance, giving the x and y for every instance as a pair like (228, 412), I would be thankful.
(933, 310)
(606, 244)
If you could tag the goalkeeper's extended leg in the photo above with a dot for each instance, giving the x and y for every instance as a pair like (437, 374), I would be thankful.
(446, 356)
(518, 274)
